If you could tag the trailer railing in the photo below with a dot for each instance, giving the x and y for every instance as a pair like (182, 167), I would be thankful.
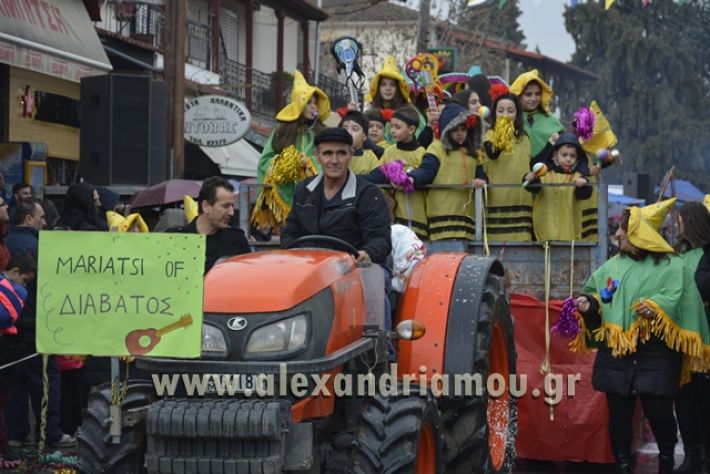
(571, 262)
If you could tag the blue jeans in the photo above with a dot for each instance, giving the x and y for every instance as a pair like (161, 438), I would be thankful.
(28, 384)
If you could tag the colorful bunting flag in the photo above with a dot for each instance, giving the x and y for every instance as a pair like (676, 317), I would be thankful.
(501, 4)
(608, 4)
(646, 2)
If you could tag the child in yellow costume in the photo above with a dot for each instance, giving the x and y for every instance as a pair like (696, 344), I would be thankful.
(389, 90)
(555, 215)
(288, 154)
(535, 97)
(507, 147)
(357, 125)
(451, 212)
(377, 124)
(421, 170)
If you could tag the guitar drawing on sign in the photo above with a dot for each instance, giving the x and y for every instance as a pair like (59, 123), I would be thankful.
(346, 51)
(423, 69)
(141, 341)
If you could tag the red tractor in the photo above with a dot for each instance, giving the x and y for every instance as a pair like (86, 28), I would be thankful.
(314, 314)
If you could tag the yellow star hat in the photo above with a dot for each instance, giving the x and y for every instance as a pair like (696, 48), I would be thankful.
(706, 201)
(603, 136)
(390, 70)
(300, 95)
(644, 224)
(190, 207)
(118, 223)
(522, 81)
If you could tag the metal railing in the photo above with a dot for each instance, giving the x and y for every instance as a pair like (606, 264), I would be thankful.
(572, 262)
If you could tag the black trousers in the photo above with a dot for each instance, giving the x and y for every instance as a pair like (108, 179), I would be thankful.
(658, 410)
(692, 408)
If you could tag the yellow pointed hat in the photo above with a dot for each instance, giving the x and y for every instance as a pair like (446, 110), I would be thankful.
(118, 223)
(522, 81)
(190, 208)
(644, 224)
(706, 201)
(603, 136)
(300, 95)
(390, 70)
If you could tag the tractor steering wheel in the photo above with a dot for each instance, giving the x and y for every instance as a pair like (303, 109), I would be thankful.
(343, 245)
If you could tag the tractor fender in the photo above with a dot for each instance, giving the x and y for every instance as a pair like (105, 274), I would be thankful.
(427, 298)
(463, 312)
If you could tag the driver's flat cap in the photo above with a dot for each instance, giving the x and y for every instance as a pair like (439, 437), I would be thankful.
(338, 135)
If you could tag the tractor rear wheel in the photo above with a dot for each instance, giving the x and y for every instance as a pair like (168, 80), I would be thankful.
(480, 431)
(393, 435)
(97, 454)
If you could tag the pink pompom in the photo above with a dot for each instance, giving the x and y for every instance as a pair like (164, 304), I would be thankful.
(395, 174)
(584, 119)
(567, 324)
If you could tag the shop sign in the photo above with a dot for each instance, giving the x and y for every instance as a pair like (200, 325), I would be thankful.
(214, 121)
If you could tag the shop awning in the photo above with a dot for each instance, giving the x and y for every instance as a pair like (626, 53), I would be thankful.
(237, 159)
(53, 37)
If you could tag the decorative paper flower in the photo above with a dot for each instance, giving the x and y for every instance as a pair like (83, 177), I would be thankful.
(567, 324)
(497, 90)
(395, 173)
(584, 119)
(387, 114)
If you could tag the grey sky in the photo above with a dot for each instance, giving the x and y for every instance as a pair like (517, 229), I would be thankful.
(544, 26)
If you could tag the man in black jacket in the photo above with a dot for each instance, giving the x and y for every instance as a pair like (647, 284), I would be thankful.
(216, 208)
(339, 204)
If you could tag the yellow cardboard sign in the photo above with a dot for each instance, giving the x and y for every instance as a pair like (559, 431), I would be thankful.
(118, 294)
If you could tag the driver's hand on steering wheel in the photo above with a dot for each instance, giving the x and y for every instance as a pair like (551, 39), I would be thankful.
(363, 257)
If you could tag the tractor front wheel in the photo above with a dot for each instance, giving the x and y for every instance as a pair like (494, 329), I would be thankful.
(399, 435)
(97, 452)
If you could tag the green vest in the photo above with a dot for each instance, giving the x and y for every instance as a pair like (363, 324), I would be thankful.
(543, 126)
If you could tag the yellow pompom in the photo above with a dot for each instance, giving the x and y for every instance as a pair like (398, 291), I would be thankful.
(287, 166)
(190, 207)
(503, 134)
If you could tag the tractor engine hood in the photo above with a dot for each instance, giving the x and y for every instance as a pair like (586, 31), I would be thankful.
(272, 281)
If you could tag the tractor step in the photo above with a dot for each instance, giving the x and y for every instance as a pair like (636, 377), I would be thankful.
(217, 436)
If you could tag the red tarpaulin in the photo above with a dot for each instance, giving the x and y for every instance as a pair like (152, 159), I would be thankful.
(579, 430)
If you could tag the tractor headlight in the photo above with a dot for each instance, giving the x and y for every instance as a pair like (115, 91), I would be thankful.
(213, 342)
(285, 335)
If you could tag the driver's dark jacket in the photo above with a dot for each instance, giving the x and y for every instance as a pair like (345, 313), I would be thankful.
(357, 214)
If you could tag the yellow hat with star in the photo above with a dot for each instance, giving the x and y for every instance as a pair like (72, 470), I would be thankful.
(389, 70)
(603, 136)
(644, 224)
(300, 95)
(522, 81)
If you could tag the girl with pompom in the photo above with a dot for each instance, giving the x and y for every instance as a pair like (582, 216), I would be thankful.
(389, 91)
(288, 154)
(538, 122)
(507, 149)
(405, 165)
(450, 212)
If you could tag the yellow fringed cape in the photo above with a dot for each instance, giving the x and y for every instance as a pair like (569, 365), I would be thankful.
(282, 172)
(669, 289)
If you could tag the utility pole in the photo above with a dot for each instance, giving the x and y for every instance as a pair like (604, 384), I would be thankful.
(423, 26)
(174, 72)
